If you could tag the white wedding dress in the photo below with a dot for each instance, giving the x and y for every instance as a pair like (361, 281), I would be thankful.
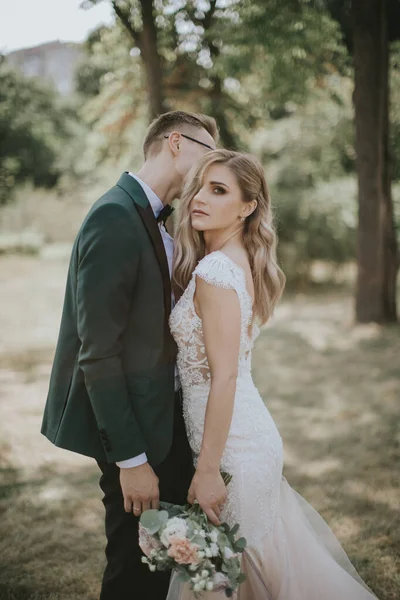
(291, 554)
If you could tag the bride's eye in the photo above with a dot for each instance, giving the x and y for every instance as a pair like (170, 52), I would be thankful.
(218, 190)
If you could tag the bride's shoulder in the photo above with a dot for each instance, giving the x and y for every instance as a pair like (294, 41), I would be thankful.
(219, 269)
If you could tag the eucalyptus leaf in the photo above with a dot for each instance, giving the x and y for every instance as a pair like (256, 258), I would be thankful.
(235, 529)
(226, 477)
(173, 509)
(240, 544)
(242, 577)
(233, 570)
(183, 576)
(150, 520)
(163, 516)
(166, 505)
(223, 540)
(191, 526)
(199, 540)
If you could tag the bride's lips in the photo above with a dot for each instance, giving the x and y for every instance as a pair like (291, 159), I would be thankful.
(197, 212)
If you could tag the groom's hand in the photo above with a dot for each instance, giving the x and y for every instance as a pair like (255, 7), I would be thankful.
(209, 489)
(140, 489)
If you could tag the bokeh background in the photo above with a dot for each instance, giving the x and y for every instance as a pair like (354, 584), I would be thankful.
(290, 81)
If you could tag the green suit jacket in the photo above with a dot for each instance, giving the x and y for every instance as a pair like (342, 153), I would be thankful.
(111, 392)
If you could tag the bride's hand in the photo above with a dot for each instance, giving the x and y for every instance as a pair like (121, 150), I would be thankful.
(209, 489)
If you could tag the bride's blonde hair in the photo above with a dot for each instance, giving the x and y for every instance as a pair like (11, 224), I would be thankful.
(258, 234)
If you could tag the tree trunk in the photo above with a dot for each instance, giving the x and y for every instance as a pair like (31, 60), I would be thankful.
(391, 251)
(218, 112)
(152, 60)
(146, 41)
(377, 248)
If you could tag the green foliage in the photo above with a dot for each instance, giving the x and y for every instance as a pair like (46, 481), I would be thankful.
(290, 48)
(275, 73)
(317, 224)
(111, 83)
(309, 159)
(35, 131)
(266, 56)
(242, 62)
(95, 64)
(153, 520)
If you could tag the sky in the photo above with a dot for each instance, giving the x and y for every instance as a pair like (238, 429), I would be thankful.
(26, 23)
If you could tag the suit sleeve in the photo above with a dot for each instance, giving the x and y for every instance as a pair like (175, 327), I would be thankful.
(107, 270)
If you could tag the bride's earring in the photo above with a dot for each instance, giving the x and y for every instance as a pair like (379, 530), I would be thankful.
(243, 219)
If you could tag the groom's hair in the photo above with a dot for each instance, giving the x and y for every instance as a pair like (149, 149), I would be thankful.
(177, 120)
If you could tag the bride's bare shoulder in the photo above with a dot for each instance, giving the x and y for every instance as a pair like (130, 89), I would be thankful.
(239, 256)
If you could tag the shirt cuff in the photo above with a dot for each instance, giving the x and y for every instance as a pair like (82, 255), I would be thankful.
(136, 461)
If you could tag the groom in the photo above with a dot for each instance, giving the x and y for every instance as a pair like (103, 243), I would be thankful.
(114, 394)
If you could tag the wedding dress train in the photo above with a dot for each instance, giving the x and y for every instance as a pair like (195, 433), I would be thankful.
(291, 553)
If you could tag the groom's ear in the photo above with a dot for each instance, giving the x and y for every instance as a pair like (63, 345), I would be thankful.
(174, 140)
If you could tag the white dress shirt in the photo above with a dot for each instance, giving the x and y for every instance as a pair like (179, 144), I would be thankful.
(168, 241)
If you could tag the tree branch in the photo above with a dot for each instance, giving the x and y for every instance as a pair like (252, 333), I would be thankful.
(206, 22)
(124, 18)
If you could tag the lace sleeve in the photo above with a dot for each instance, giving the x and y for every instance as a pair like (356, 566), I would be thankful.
(217, 269)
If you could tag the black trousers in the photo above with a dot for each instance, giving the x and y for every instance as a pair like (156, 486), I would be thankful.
(125, 576)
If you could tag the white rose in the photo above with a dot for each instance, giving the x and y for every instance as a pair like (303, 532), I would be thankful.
(214, 549)
(209, 586)
(174, 527)
(213, 536)
(228, 553)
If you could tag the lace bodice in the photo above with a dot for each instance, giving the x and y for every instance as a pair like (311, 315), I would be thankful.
(186, 326)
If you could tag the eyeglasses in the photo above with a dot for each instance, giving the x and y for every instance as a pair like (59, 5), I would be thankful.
(192, 140)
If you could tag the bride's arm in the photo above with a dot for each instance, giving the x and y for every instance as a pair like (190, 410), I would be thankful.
(219, 310)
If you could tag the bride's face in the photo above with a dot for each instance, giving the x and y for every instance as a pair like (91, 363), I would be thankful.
(218, 204)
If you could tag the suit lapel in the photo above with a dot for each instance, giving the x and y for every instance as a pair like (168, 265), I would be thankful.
(149, 220)
(135, 191)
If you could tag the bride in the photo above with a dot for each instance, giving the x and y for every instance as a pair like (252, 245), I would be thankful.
(227, 274)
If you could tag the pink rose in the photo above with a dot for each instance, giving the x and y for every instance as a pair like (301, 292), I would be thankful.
(147, 542)
(183, 551)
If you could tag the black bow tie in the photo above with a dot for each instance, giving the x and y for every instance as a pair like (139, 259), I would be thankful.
(165, 213)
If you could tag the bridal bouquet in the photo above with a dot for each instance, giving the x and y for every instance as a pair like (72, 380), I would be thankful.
(181, 538)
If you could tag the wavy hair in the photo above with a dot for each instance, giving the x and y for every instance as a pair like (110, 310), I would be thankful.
(258, 233)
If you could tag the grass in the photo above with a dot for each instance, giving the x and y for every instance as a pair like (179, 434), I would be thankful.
(332, 388)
